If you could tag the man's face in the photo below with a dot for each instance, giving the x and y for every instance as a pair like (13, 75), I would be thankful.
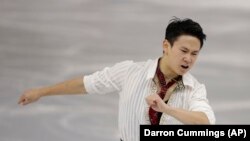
(182, 55)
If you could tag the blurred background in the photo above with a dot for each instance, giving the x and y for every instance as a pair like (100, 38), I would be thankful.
(43, 42)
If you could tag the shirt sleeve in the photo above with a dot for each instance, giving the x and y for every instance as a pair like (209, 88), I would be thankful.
(199, 102)
(108, 80)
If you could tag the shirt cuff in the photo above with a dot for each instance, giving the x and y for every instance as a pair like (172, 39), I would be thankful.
(88, 84)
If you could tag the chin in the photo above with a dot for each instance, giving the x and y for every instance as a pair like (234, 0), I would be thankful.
(181, 72)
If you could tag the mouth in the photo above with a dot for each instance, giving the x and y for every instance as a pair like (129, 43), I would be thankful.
(185, 66)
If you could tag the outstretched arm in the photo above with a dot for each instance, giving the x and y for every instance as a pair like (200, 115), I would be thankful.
(73, 86)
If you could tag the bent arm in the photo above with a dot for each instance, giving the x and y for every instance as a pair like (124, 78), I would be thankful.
(187, 117)
(199, 111)
(68, 87)
(184, 116)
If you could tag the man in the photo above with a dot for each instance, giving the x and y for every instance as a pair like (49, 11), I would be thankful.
(159, 91)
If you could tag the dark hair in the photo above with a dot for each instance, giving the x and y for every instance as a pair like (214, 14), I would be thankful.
(178, 27)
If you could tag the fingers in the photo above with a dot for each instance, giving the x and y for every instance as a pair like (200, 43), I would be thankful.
(23, 100)
(155, 102)
(151, 102)
(28, 97)
(152, 99)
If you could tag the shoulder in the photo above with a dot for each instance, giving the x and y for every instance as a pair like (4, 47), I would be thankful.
(136, 64)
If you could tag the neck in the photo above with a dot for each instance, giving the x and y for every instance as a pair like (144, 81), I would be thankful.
(166, 70)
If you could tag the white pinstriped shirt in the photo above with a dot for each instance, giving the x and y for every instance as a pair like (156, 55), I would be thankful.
(134, 82)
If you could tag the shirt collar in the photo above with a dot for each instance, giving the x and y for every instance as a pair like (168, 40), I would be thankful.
(186, 78)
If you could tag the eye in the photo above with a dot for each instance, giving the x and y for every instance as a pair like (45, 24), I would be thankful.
(194, 54)
(184, 51)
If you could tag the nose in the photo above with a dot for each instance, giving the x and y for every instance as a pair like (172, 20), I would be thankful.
(187, 58)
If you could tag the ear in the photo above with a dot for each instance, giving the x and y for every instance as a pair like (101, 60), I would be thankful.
(165, 46)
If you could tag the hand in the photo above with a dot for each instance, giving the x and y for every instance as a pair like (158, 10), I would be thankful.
(156, 103)
(30, 96)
